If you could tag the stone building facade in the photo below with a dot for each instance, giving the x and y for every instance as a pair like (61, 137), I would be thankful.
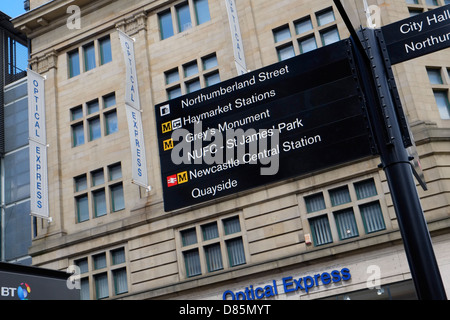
(128, 247)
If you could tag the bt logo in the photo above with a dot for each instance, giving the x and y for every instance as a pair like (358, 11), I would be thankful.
(22, 291)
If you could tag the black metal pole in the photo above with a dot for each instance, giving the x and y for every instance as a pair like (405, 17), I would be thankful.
(395, 161)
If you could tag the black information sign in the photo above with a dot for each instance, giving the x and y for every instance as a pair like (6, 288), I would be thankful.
(288, 119)
(419, 35)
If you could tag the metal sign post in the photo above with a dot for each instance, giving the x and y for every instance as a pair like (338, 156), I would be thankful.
(388, 124)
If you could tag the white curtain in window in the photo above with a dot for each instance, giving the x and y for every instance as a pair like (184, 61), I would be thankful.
(210, 231)
(339, 196)
(189, 237)
(120, 281)
(232, 225)
(346, 224)
(214, 257)
(315, 203)
(321, 230)
(366, 189)
(84, 294)
(373, 217)
(118, 256)
(236, 252)
(101, 286)
(192, 261)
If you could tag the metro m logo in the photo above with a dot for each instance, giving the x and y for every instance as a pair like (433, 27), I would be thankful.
(182, 177)
(166, 127)
(168, 144)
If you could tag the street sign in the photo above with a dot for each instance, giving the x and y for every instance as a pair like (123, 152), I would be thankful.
(419, 35)
(282, 121)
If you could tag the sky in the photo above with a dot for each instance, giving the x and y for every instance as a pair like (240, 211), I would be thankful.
(13, 8)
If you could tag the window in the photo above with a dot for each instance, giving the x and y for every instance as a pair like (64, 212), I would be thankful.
(77, 113)
(99, 116)
(90, 56)
(99, 261)
(414, 12)
(320, 228)
(165, 24)
(416, 7)
(346, 224)
(315, 203)
(81, 183)
(303, 25)
(202, 11)
(365, 189)
(330, 36)
(190, 69)
(108, 273)
(339, 196)
(181, 14)
(92, 192)
(105, 50)
(184, 17)
(307, 44)
(78, 134)
(282, 34)
(333, 216)
(172, 76)
(117, 198)
(82, 205)
(74, 63)
(192, 262)
(443, 103)
(94, 129)
(435, 76)
(285, 52)
(372, 217)
(431, 2)
(192, 86)
(209, 62)
(197, 74)
(439, 78)
(310, 31)
(101, 286)
(325, 17)
(120, 281)
(212, 246)
(93, 106)
(99, 203)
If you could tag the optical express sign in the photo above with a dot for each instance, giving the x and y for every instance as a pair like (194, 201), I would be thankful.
(289, 285)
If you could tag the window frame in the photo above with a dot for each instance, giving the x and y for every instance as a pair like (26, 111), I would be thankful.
(89, 274)
(89, 56)
(202, 246)
(106, 186)
(314, 30)
(331, 211)
(198, 71)
(169, 21)
(441, 89)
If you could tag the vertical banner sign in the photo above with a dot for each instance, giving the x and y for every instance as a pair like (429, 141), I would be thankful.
(38, 146)
(134, 116)
(238, 48)
(137, 147)
(132, 88)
